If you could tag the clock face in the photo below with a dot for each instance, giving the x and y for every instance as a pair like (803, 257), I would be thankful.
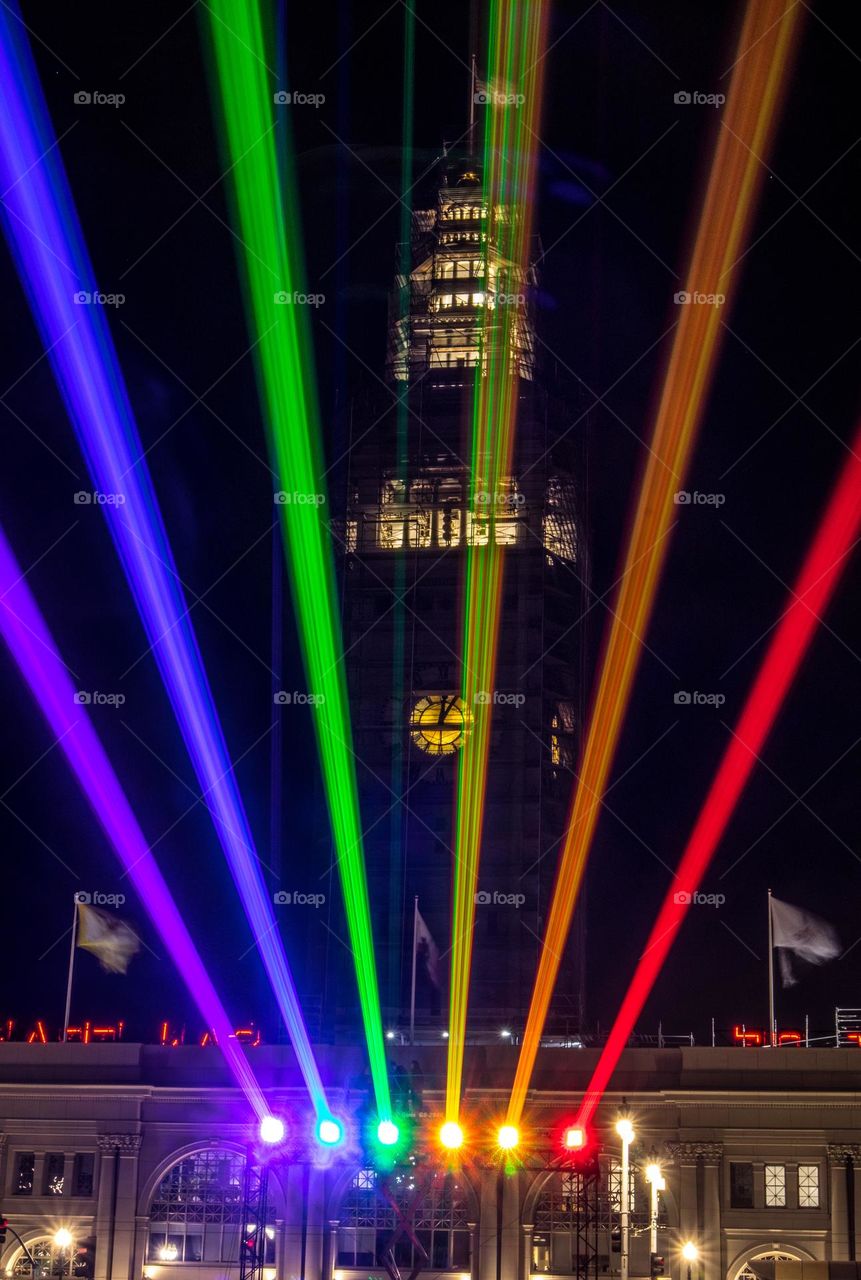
(439, 723)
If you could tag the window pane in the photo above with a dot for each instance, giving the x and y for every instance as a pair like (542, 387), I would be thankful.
(808, 1186)
(83, 1184)
(775, 1185)
(54, 1164)
(25, 1163)
(741, 1186)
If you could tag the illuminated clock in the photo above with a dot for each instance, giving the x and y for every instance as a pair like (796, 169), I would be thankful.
(439, 723)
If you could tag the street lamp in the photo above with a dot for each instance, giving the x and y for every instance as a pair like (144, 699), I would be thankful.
(625, 1130)
(63, 1238)
(690, 1253)
(657, 1182)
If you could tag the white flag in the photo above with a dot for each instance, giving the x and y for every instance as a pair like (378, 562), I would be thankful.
(427, 949)
(797, 932)
(111, 940)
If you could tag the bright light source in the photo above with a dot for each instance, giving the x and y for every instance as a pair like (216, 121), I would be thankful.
(653, 1173)
(451, 1135)
(508, 1137)
(329, 1131)
(387, 1133)
(390, 1035)
(63, 1238)
(690, 1252)
(505, 1033)
(272, 1129)
(625, 1130)
(168, 1253)
(574, 1138)
(445, 1035)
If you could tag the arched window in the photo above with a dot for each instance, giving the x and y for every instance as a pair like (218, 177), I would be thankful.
(370, 1214)
(746, 1272)
(196, 1214)
(75, 1261)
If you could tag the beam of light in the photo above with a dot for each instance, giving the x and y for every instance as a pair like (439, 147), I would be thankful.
(267, 219)
(820, 572)
(47, 242)
(747, 122)
(518, 33)
(31, 645)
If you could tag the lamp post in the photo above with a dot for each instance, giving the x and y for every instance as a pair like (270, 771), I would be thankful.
(625, 1130)
(63, 1239)
(657, 1182)
(690, 1253)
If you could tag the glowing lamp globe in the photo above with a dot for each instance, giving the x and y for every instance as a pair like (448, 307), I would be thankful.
(387, 1133)
(653, 1172)
(329, 1132)
(625, 1130)
(451, 1135)
(690, 1252)
(63, 1238)
(272, 1129)
(508, 1137)
(574, 1138)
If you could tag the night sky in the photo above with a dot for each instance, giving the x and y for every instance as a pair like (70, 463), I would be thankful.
(621, 175)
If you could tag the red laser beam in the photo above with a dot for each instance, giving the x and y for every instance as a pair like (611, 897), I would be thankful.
(819, 575)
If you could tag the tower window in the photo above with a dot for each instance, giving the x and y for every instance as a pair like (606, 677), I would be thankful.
(808, 1186)
(775, 1186)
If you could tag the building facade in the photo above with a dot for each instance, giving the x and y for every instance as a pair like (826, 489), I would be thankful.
(140, 1154)
(413, 510)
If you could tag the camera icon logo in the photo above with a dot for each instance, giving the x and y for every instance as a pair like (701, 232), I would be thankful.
(682, 298)
(82, 298)
(482, 698)
(682, 98)
(82, 97)
(682, 498)
(280, 98)
(281, 498)
(482, 98)
(83, 898)
(482, 898)
(282, 297)
(281, 698)
(682, 698)
(83, 498)
(280, 898)
(682, 898)
(82, 698)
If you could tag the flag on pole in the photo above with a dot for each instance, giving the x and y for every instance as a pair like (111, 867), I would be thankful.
(801, 934)
(427, 949)
(111, 940)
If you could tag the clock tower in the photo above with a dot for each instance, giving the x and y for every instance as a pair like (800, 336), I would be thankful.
(408, 522)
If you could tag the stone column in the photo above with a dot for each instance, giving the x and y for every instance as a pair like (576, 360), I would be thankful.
(759, 1184)
(528, 1232)
(487, 1226)
(38, 1173)
(712, 1243)
(700, 1201)
(473, 1250)
(117, 1205)
(687, 1155)
(839, 1153)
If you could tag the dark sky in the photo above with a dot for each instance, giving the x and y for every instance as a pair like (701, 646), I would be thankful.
(783, 402)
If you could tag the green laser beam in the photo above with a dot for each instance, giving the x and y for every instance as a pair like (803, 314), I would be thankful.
(266, 212)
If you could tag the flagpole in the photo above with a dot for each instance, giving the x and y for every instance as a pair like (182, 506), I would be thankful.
(71, 972)
(413, 984)
(771, 1035)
